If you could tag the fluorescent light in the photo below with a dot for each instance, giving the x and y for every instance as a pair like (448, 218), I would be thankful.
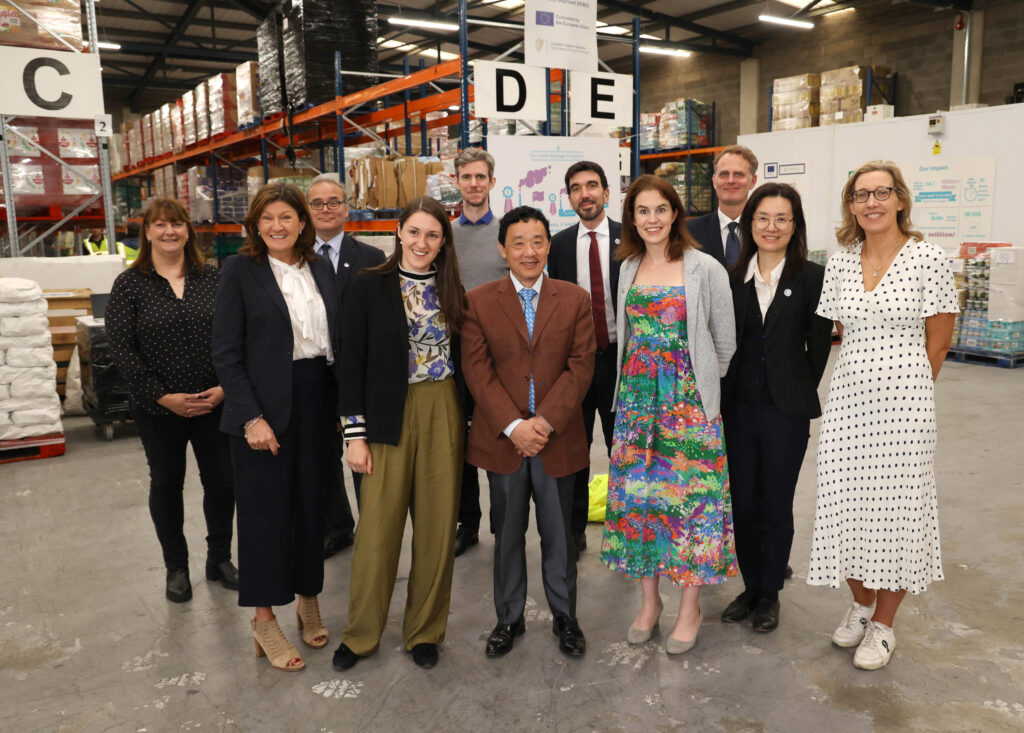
(434, 53)
(617, 30)
(455, 107)
(838, 11)
(665, 51)
(106, 45)
(418, 23)
(785, 21)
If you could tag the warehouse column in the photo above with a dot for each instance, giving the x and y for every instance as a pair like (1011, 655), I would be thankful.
(749, 72)
(967, 42)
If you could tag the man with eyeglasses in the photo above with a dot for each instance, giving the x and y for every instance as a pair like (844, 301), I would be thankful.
(734, 177)
(347, 256)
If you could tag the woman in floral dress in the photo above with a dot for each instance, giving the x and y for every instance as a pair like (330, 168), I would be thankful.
(669, 513)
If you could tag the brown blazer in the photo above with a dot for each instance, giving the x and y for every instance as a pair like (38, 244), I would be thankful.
(497, 358)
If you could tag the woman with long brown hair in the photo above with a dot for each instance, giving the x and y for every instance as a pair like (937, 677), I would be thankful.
(160, 320)
(405, 432)
(275, 347)
(668, 512)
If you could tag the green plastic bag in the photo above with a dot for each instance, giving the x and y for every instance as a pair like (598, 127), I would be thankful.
(598, 498)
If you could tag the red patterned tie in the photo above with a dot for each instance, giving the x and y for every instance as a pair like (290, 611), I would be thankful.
(597, 294)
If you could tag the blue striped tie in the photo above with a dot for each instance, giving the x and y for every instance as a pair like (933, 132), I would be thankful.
(527, 295)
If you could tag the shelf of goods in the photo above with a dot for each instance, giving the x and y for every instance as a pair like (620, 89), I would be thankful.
(833, 97)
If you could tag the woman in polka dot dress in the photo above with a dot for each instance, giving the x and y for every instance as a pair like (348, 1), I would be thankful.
(876, 523)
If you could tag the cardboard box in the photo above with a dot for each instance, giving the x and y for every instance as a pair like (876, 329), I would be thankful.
(793, 83)
(876, 112)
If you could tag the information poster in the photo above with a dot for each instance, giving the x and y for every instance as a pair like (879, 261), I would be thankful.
(952, 199)
(531, 172)
(561, 34)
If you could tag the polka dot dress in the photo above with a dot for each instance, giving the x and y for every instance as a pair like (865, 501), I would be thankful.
(876, 518)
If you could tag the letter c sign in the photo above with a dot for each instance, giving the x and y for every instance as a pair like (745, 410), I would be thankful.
(28, 80)
(41, 83)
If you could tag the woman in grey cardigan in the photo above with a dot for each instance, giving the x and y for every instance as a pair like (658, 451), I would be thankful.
(669, 513)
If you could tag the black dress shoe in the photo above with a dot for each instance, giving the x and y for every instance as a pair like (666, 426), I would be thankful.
(225, 572)
(741, 607)
(580, 540)
(501, 639)
(789, 572)
(336, 543)
(344, 658)
(464, 539)
(425, 655)
(179, 589)
(570, 636)
(766, 615)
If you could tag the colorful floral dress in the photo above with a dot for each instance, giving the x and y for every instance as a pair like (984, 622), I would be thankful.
(669, 512)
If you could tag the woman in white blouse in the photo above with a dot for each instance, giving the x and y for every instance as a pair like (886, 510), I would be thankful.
(275, 342)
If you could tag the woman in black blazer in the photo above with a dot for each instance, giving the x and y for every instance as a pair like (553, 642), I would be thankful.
(405, 432)
(770, 393)
(275, 348)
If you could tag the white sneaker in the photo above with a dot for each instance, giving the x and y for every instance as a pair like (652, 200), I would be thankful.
(876, 649)
(855, 622)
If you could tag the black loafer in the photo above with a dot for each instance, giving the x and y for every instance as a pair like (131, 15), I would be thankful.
(225, 572)
(336, 543)
(503, 637)
(579, 539)
(741, 607)
(465, 538)
(789, 572)
(344, 658)
(766, 615)
(425, 655)
(179, 588)
(570, 637)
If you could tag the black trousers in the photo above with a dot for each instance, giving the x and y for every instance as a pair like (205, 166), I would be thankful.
(469, 498)
(339, 511)
(598, 401)
(510, 511)
(282, 499)
(165, 438)
(766, 449)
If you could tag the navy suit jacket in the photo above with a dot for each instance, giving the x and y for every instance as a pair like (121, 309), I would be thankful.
(707, 230)
(353, 257)
(562, 257)
(252, 341)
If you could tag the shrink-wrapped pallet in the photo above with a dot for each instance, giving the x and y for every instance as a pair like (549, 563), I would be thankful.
(202, 113)
(188, 113)
(270, 48)
(222, 103)
(247, 87)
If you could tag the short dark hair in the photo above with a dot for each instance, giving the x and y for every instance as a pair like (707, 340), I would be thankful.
(585, 165)
(796, 250)
(519, 215)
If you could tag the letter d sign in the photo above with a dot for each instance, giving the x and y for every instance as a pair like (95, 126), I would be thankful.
(508, 91)
(42, 83)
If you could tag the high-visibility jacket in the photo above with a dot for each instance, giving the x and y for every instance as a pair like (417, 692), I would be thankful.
(100, 248)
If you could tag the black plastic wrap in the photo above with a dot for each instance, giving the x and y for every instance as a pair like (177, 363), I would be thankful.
(270, 48)
(313, 31)
(104, 390)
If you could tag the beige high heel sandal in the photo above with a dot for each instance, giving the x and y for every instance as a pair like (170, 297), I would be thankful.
(307, 613)
(271, 642)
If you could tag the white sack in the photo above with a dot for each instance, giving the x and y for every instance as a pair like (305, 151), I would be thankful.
(25, 342)
(14, 404)
(35, 417)
(5, 419)
(27, 308)
(13, 432)
(9, 374)
(24, 325)
(5, 392)
(2, 358)
(18, 290)
(73, 404)
(39, 356)
(36, 382)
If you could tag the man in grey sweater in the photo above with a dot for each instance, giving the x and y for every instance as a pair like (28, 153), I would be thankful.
(475, 235)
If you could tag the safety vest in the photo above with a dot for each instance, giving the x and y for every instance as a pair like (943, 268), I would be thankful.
(100, 248)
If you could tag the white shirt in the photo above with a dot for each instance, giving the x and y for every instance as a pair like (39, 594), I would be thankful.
(583, 267)
(335, 244)
(310, 332)
(723, 223)
(765, 290)
(536, 299)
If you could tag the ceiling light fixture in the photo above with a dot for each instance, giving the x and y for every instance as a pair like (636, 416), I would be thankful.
(666, 51)
(418, 23)
(107, 45)
(785, 21)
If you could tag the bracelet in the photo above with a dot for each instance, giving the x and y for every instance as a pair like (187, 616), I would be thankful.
(250, 423)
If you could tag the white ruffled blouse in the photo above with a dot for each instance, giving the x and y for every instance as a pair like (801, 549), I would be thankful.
(311, 335)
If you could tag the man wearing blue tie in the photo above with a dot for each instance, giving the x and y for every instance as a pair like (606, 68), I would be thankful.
(735, 175)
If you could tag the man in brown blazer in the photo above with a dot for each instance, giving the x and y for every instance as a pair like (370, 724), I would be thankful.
(528, 357)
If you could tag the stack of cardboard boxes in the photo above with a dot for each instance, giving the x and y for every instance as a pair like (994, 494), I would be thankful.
(795, 102)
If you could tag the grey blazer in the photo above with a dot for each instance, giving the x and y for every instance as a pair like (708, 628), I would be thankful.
(710, 324)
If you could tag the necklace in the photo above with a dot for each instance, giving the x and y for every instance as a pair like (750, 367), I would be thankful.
(885, 263)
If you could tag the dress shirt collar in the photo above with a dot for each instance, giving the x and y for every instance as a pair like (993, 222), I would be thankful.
(753, 271)
(334, 242)
(485, 219)
(519, 286)
(723, 221)
(601, 230)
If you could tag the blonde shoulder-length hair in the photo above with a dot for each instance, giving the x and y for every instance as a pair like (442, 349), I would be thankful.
(850, 232)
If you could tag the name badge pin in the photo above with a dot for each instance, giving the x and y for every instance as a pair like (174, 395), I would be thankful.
(787, 292)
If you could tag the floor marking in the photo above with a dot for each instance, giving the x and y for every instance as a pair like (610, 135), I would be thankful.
(338, 689)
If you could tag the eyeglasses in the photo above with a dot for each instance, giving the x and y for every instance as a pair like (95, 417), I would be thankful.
(881, 193)
(333, 204)
(781, 222)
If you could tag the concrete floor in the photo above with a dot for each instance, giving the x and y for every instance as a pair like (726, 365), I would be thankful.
(88, 642)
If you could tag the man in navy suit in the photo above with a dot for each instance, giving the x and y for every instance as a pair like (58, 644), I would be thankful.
(735, 175)
(326, 199)
(583, 254)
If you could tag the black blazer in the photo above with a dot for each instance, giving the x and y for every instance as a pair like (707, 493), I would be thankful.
(354, 256)
(375, 362)
(562, 258)
(797, 342)
(252, 341)
(707, 230)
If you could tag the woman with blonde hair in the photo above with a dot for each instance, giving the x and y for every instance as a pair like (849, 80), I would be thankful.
(892, 298)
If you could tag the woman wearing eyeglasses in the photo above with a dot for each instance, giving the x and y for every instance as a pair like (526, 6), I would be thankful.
(770, 394)
(876, 524)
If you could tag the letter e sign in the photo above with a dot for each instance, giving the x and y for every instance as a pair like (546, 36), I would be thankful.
(601, 99)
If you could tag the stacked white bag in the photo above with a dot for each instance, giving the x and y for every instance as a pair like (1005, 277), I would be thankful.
(29, 404)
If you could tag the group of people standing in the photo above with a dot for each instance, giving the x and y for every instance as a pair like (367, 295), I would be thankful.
(698, 345)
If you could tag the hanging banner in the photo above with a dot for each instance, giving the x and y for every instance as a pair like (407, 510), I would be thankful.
(509, 91)
(601, 99)
(561, 34)
(42, 83)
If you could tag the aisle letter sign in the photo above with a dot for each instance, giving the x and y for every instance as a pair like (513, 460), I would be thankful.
(509, 91)
(41, 83)
(561, 34)
(601, 99)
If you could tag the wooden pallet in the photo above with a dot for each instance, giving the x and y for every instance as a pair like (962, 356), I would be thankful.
(69, 304)
(27, 449)
(988, 358)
